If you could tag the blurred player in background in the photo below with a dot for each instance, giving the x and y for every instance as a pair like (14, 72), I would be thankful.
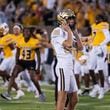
(100, 38)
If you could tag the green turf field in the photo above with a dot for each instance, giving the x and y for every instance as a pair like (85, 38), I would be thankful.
(28, 102)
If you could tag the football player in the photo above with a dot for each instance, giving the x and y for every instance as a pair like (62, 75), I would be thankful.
(100, 38)
(9, 58)
(62, 39)
(27, 47)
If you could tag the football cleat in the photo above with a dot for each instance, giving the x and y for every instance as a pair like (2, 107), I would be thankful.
(6, 96)
(79, 92)
(20, 94)
(85, 92)
(42, 97)
(101, 93)
(94, 91)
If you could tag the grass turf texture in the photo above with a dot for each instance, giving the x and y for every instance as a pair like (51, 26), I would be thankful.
(28, 102)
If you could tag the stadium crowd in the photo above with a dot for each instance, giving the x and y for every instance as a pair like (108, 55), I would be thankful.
(43, 12)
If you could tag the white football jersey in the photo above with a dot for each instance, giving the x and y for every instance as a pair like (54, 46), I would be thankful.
(58, 36)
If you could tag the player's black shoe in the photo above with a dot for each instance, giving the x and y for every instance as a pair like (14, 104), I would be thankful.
(85, 92)
(6, 96)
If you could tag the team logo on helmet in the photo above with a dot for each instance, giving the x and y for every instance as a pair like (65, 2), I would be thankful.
(64, 15)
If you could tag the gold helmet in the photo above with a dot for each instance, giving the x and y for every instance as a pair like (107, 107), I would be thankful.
(64, 15)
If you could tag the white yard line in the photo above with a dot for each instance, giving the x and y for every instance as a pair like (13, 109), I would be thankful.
(24, 108)
(85, 104)
(21, 102)
(34, 108)
(45, 90)
(108, 106)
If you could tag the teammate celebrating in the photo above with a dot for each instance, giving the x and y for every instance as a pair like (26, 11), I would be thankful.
(100, 34)
(6, 44)
(26, 80)
(27, 47)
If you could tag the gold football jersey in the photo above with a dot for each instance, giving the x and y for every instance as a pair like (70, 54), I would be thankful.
(27, 49)
(97, 33)
(5, 42)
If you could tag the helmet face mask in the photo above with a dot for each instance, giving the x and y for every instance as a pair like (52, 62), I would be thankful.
(65, 15)
(71, 22)
(71, 17)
